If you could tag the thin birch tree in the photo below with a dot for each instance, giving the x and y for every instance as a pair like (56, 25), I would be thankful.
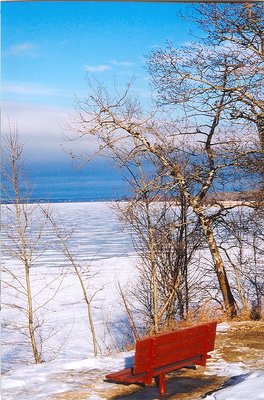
(82, 273)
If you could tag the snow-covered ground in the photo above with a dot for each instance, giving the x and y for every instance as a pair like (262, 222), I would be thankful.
(99, 241)
(245, 387)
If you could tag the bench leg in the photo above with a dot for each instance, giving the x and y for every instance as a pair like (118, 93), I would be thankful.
(162, 384)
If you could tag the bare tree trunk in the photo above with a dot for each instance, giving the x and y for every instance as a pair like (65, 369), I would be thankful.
(89, 311)
(95, 350)
(229, 301)
(238, 283)
(153, 271)
(260, 126)
(15, 152)
(30, 319)
(184, 254)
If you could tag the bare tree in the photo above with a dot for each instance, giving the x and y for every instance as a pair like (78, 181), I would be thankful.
(209, 125)
(25, 240)
(234, 50)
(121, 122)
(220, 79)
(241, 28)
(165, 241)
(165, 238)
(235, 38)
(82, 272)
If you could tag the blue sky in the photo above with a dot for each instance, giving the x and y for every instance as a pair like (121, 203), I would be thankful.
(50, 48)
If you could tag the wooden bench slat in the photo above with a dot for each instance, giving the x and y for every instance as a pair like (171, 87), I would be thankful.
(191, 332)
(175, 347)
(180, 335)
(177, 365)
(170, 358)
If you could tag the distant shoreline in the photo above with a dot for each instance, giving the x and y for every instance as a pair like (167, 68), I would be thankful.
(226, 198)
(61, 201)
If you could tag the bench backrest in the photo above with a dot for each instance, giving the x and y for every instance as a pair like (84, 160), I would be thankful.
(168, 348)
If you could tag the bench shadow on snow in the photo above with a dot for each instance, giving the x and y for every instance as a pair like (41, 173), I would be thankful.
(185, 386)
(176, 386)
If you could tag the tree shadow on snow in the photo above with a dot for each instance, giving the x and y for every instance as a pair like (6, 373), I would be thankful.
(121, 333)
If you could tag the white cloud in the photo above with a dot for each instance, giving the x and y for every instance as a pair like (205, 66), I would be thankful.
(106, 67)
(25, 48)
(126, 64)
(28, 88)
(97, 68)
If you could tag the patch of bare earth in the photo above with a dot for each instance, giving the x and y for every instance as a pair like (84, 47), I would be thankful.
(242, 343)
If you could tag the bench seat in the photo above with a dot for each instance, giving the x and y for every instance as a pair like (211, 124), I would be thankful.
(126, 375)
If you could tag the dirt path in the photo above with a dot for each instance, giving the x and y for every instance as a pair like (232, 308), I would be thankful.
(242, 343)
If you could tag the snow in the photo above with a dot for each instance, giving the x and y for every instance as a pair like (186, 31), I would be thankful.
(40, 379)
(223, 327)
(244, 387)
(100, 241)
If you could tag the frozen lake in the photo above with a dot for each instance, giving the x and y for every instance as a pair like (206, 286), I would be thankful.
(98, 233)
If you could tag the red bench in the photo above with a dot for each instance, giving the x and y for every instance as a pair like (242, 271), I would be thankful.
(157, 355)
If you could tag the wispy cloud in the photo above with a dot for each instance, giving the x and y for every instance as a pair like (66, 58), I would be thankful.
(97, 68)
(32, 89)
(126, 64)
(110, 65)
(25, 48)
